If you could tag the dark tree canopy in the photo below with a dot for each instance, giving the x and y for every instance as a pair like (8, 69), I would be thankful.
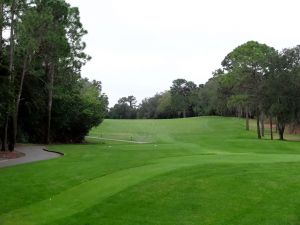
(42, 95)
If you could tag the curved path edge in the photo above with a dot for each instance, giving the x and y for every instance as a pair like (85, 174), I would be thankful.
(56, 152)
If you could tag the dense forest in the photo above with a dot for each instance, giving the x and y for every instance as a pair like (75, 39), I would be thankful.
(254, 81)
(43, 98)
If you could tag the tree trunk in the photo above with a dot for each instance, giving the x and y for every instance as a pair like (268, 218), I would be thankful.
(281, 128)
(18, 99)
(2, 126)
(262, 119)
(50, 99)
(4, 132)
(5, 135)
(258, 126)
(10, 110)
(2, 139)
(247, 120)
(1, 29)
(271, 127)
(12, 37)
(11, 144)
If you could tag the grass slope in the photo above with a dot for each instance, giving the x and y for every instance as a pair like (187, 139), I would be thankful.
(194, 171)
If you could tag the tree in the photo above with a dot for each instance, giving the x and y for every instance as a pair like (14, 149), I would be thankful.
(132, 101)
(77, 108)
(282, 89)
(251, 61)
(30, 30)
(54, 45)
(165, 109)
(15, 8)
(181, 91)
(148, 107)
(40, 74)
(124, 109)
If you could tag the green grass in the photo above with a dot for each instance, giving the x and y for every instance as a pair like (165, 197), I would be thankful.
(198, 171)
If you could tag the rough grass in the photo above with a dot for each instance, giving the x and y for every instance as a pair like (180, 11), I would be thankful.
(195, 171)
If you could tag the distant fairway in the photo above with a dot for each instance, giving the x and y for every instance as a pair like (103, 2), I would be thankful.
(197, 171)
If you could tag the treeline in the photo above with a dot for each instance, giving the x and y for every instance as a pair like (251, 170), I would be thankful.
(184, 99)
(254, 81)
(43, 98)
(180, 101)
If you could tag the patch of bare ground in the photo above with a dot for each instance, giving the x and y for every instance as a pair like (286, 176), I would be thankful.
(11, 155)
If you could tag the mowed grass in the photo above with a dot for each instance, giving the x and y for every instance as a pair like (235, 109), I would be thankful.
(200, 171)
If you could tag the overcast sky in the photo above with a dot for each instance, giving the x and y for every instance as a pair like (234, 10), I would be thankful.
(139, 47)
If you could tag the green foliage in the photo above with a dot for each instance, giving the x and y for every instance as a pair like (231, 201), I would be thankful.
(263, 82)
(76, 112)
(250, 57)
(45, 84)
(148, 107)
(179, 101)
(157, 107)
(124, 109)
(181, 92)
(208, 98)
(247, 65)
(165, 109)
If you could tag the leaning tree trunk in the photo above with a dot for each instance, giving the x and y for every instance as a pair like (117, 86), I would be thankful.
(258, 126)
(50, 99)
(18, 99)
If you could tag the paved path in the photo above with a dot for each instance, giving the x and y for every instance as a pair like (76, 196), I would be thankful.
(118, 140)
(32, 153)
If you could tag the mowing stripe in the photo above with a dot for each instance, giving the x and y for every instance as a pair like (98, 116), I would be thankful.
(88, 194)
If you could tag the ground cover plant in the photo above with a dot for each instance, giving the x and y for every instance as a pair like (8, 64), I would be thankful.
(205, 170)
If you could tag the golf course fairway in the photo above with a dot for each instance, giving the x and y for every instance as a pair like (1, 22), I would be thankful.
(194, 171)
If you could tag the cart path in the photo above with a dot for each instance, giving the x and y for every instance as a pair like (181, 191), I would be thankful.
(32, 153)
